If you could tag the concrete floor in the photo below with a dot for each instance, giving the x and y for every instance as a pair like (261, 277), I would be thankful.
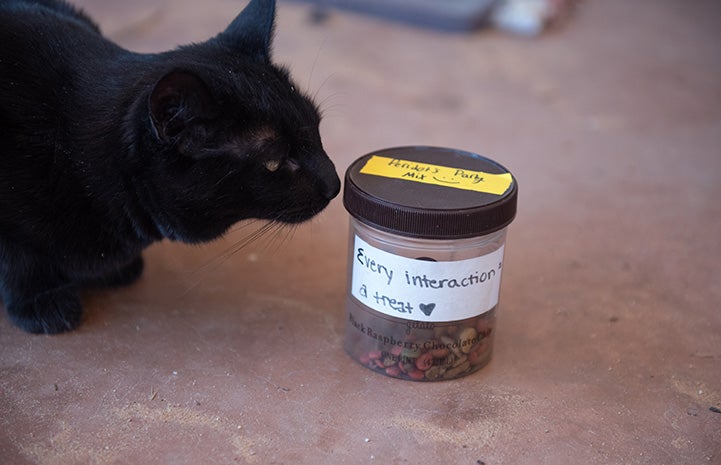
(608, 345)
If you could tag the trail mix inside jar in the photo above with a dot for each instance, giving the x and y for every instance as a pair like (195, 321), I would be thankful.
(419, 351)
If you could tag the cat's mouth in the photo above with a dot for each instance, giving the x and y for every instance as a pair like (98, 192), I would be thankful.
(300, 215)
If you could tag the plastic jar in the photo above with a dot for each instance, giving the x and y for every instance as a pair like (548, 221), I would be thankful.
(427, 236)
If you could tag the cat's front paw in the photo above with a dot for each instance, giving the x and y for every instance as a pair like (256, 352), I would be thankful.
(50, 312)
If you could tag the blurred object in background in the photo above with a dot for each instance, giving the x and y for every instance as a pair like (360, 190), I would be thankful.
(523, 17)
(529, 17)
(451, 15)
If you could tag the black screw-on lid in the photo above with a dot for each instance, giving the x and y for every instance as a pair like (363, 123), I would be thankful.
(430, 192)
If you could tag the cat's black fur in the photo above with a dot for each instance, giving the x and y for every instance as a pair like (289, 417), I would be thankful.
(104, 151)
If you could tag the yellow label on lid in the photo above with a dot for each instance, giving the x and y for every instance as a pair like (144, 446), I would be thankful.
(456, 178)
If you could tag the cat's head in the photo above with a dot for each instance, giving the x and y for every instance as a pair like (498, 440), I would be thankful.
(233, 138)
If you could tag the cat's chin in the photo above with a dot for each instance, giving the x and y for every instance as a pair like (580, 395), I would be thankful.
(293, 220)
(297, 217)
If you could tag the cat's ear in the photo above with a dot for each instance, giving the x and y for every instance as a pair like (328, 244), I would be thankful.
(178, 99)
(252, 30)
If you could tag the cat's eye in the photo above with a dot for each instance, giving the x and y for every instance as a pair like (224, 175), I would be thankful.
(272, 165)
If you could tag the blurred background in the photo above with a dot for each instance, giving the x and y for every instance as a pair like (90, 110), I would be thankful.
(608, 346)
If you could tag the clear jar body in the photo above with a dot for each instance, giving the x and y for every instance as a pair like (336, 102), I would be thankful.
(398, 289)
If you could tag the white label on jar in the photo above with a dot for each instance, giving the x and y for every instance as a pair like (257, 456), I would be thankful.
(421, 290)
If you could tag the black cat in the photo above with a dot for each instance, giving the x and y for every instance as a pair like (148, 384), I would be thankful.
(104, 151)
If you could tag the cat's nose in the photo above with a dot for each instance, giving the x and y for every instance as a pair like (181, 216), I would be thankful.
(331, 187)
(327, 181)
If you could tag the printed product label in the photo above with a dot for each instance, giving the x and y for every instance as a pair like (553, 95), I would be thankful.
(455, 178)
(421, 290)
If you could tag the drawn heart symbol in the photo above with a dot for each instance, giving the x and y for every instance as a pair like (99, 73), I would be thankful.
(427, 309)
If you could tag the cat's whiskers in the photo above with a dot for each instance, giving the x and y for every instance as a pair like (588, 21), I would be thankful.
(280, 236)
(315, 62)
(222, 178)
(326, 109)
(314, 97)
(217, 261)
(242, 225)
(238, 245)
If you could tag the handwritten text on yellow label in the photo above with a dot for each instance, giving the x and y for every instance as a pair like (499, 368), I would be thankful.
(456, 178)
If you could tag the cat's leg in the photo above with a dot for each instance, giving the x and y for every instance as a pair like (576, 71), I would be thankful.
(120, 276)
(38, 300)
